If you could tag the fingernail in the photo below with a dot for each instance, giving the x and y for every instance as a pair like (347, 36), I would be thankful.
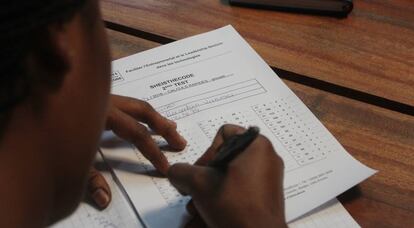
(183, 140)
(101, 198)
(172, 122)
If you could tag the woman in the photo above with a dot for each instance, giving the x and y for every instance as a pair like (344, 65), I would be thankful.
(54, 104)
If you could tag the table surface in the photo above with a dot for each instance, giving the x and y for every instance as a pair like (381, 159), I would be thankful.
(355, 74)
(371, 51)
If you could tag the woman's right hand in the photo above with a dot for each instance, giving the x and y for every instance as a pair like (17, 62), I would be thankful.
(249, 193)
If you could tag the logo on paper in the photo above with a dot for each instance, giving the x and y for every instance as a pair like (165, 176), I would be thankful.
(117, 77)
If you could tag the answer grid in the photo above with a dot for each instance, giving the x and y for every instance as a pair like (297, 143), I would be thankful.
(298, 136)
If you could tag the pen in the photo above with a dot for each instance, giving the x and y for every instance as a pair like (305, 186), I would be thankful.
(233, 146)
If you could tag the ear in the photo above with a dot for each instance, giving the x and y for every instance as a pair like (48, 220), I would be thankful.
(50, 58)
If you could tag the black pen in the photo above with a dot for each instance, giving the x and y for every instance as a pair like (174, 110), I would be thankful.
(233, 146)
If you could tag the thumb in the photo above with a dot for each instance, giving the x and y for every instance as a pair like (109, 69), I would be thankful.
(98, 189)
(190, 179)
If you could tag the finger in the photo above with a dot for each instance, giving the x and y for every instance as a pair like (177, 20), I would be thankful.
(196, 222)
(144, 112)
(189, 179)
(127, 128)
(223, 133)
(98, 189)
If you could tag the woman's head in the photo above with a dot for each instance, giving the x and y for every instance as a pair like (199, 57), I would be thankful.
(25, 27)
(54, 88)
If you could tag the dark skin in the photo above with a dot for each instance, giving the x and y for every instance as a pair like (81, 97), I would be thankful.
(248, 193)
(51, 139)
(125, 119)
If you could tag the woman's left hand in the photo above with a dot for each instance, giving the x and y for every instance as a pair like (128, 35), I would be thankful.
(126, 118)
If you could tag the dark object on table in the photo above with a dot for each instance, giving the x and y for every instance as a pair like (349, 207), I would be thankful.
(338, 8)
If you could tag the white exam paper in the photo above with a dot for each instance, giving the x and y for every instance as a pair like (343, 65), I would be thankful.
(203, 82)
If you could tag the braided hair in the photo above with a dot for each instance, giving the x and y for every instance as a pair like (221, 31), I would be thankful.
(21, 21)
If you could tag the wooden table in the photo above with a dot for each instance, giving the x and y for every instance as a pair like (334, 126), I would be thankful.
(355, 74)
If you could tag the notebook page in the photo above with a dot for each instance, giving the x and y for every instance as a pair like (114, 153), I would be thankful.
(208, 80)
(331, 214)
(118, 214)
